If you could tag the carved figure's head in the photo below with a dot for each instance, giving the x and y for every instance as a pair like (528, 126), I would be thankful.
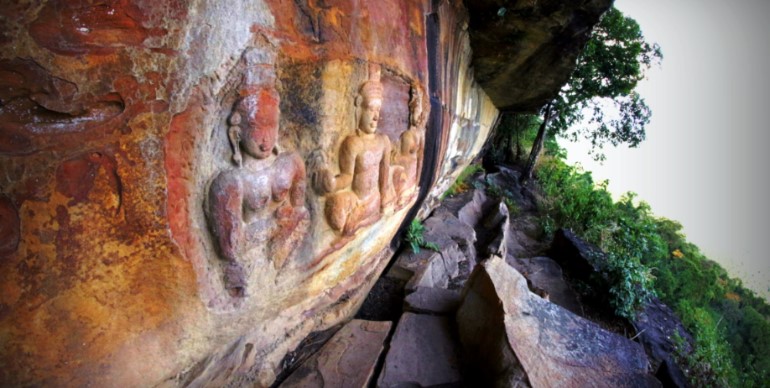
(254, 123)
(369, 103)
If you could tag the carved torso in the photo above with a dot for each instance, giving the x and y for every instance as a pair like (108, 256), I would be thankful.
(371, 150)
(256, 193)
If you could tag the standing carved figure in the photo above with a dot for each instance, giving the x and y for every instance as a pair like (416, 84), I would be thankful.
(357, 196)
(407, 158)
(260, 203)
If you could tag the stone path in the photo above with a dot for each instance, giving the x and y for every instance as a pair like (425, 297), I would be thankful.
(516, 322)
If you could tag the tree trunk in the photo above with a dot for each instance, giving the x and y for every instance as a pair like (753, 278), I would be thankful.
(510, 154)
(517, 158)
(538, 145)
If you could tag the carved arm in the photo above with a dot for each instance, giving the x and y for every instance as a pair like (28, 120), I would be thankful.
(225, 215)
(384, 178)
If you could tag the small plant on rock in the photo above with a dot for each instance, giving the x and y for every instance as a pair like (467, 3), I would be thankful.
(462, 184)
(416, 239)
(504, 195)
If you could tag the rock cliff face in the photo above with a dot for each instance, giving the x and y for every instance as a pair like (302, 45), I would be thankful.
(190, 188)
(514, 40)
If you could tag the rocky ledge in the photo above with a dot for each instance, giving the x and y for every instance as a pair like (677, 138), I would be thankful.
(487, 308)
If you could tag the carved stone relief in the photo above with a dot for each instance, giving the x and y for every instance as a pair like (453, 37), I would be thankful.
(360, 192)
(408, 154)
(256, 209)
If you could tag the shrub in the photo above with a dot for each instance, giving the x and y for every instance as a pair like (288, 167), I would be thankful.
(504, 195)
(461, 184)
(415, 238)
(709, 364)
(574, 201)
(630, 284)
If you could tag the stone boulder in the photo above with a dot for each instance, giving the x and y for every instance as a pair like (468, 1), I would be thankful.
(449, 265)
(526, 233)
(575, 255)
(422, 353)
(506, 330)
(425, 300)
(545, 33)
(347, 360)
(657, 327)
(428, 268)
(498, 224)
(546, 279)
(443, 225)
(473, 211)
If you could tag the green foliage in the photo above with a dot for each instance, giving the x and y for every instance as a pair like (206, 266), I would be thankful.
(631, 284)
(502, 194)
(709, 364)
(414, 236)
(598, 102)
(646, 254)
(461, 184)
(515, 135)
(575, 202)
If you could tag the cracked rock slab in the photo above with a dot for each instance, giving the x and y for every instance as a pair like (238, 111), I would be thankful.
(422, 353)
(439, 270)
(505, 329)
(432, 301)
(347, 360)
(545, 274)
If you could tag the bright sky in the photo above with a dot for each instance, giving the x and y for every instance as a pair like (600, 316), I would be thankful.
(706, 156)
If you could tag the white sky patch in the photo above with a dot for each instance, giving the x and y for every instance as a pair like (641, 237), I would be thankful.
(705, 161)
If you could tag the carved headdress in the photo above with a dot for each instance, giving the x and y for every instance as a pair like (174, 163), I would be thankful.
(256, 91)
(372, 88)
(259, 71)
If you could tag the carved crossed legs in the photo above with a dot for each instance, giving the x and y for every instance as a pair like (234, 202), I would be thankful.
(346, 212)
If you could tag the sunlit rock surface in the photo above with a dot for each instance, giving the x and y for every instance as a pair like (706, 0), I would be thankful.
(190, 188)
(506, 330)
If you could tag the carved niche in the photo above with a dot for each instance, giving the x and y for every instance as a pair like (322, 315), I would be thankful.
(256, 208)
(358, 195)
(408, 153)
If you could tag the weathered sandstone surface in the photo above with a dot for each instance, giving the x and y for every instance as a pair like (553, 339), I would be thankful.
(543, 34)
(504, 329)
(190, 188)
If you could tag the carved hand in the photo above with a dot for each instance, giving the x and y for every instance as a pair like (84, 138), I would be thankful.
(387, 199)
(324, 181)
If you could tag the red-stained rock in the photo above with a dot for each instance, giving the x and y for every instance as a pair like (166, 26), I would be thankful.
(75, 177)
(80, 27)
(117, 117)
(10, 227)
(15, 141)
